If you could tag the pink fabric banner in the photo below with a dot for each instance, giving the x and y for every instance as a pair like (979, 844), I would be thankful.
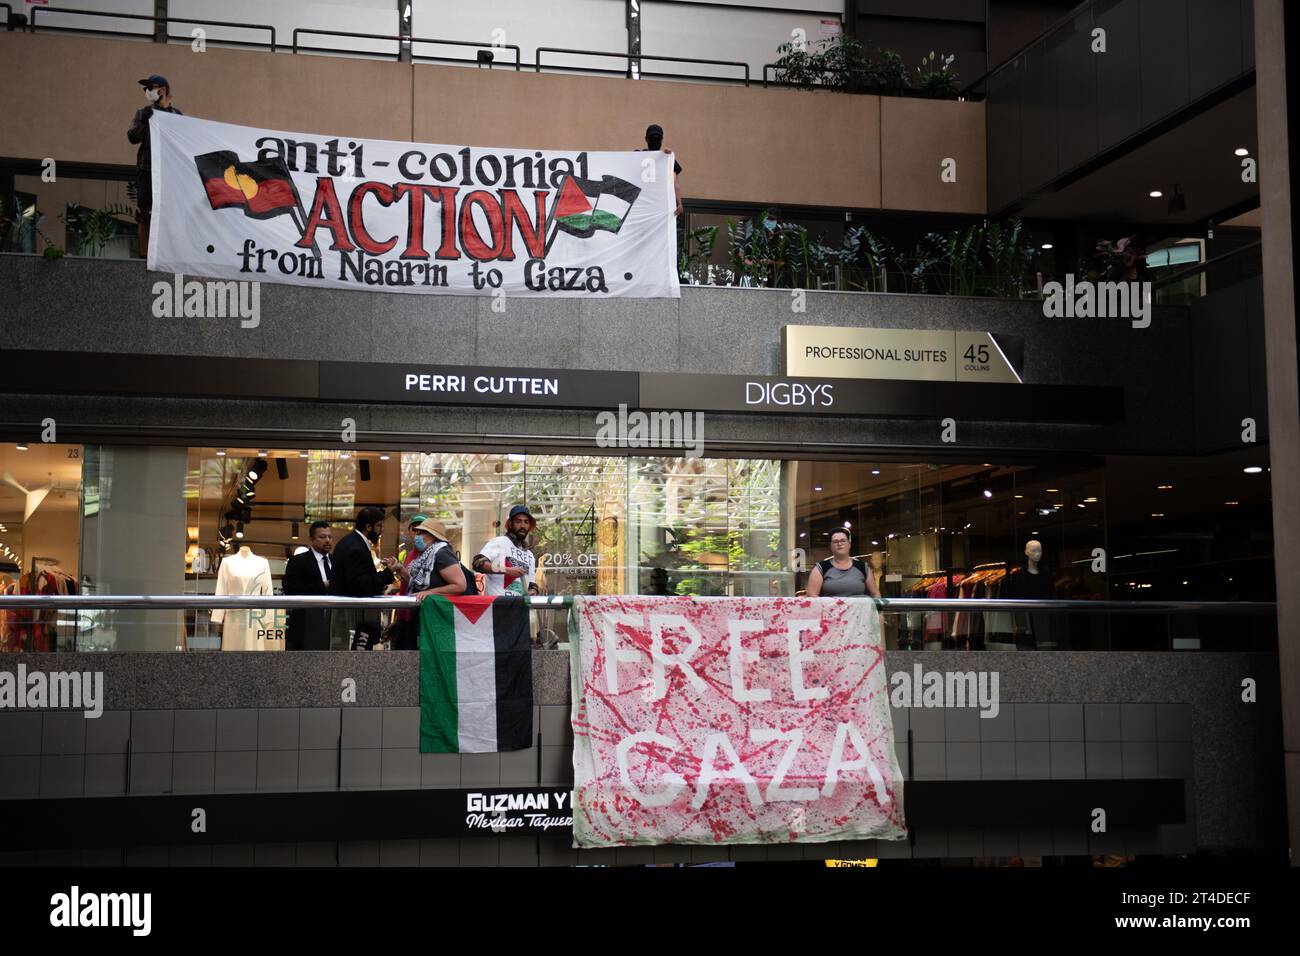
(731, 720)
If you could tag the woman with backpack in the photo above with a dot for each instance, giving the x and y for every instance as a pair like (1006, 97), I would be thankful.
(435, 570)
(842, 575)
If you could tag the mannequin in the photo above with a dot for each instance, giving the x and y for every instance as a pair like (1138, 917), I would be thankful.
(1031, 582)
(245, 573)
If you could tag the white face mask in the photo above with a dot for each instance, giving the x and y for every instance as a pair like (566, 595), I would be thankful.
(152, 95)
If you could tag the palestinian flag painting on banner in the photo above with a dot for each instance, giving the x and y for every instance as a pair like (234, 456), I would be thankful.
(583, 206)
(476, 675)
(263, 189)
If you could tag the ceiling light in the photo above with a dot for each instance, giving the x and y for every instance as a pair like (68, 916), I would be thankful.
(239, 530)
(1155, 194)
(847, 525)
(1017, 496)
(1184, 582)
(384, 457)
(1081, 505)
(345, 455)
(302, 454)
(1047, 245)
(987, 493)
(221, 453)
(1091, 501)
(1164, 487)
(262, 453)
(21, 446)
(294, 535)
(875, 471)
(1239, 151)
(875, 542)
(1230, 503)
(254, 474)
(1157, 514)
(817, 487)
(1252, 469)
(1050, 490)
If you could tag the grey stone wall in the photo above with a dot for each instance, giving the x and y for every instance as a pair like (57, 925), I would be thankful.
(220, 723)
(105, 306)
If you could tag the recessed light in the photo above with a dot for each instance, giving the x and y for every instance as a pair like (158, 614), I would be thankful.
(302, 454)
(1047, 245)
(817, 487)
(1017, 496)
(875, 542)
(261, 453)
(1091, 501)
(1050, 490)
(803, 534)
(344, 455)
(1184, 582)
(384, 457)
(1081, 505)
(1230, 503)
(221, 453)
(21, 446)
(1021, 512)
(987, 493)
(1164, 487)
(1157, 514)
(1252, 469)
(1155, 194)
(1241, 151)
(847, 525)
(875, 471)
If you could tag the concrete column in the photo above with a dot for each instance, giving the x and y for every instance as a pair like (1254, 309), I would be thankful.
(1276, 164)
(135, 542)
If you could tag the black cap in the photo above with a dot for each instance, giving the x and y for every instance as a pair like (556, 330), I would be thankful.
(654, 129)
(156, 79)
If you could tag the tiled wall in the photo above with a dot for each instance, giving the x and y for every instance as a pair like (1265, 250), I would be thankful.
(279, 749)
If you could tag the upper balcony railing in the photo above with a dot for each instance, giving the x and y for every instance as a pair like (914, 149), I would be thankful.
(396, 46)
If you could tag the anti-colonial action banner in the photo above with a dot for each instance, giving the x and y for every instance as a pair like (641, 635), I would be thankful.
(309, 209)
(727, 720)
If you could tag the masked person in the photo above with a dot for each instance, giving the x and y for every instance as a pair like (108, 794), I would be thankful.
(435, 570)
(159, 94)
(507, 565)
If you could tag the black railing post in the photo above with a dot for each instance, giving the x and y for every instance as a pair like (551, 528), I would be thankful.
(160, 21)
(634, 39)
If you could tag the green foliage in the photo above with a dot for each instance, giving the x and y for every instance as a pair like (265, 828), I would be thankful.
(96, 228)
(696, 249)
(936, 77)
(18, 230)
(841, 62)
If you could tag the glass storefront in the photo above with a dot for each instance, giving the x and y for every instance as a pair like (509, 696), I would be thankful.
(160, 520)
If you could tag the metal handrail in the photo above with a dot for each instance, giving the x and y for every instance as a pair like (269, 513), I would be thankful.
(399, 39)
(155, 20)
(1043, 35)
(885, 605)
(1196, 267)
(537, 60)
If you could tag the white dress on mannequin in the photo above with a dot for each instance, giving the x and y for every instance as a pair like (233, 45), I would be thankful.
(257, 630)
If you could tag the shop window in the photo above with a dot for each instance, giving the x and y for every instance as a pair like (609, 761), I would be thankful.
(39, 542)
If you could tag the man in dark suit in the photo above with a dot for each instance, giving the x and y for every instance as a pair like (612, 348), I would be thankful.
(355, 576)
(309, 573)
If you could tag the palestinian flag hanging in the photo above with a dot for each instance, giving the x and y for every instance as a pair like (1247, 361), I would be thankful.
(263, 189)
(583, 206)
(476, 675)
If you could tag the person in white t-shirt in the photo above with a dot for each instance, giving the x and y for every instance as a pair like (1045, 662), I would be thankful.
(506, 563)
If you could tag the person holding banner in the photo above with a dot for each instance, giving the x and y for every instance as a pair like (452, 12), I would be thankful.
(842, 575)
(159, 94)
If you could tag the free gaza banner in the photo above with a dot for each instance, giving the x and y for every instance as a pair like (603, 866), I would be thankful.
(307, 209)
(728, 720)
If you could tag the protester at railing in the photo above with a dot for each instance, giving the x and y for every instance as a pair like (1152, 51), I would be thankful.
(435, 570)
(507, 566)
(159, 94)
(654, 141)
(842, 575)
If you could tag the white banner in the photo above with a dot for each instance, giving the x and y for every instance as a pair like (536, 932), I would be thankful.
(308, 209)
(731, 720)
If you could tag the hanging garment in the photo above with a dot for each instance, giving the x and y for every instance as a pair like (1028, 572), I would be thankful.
(256, 630)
